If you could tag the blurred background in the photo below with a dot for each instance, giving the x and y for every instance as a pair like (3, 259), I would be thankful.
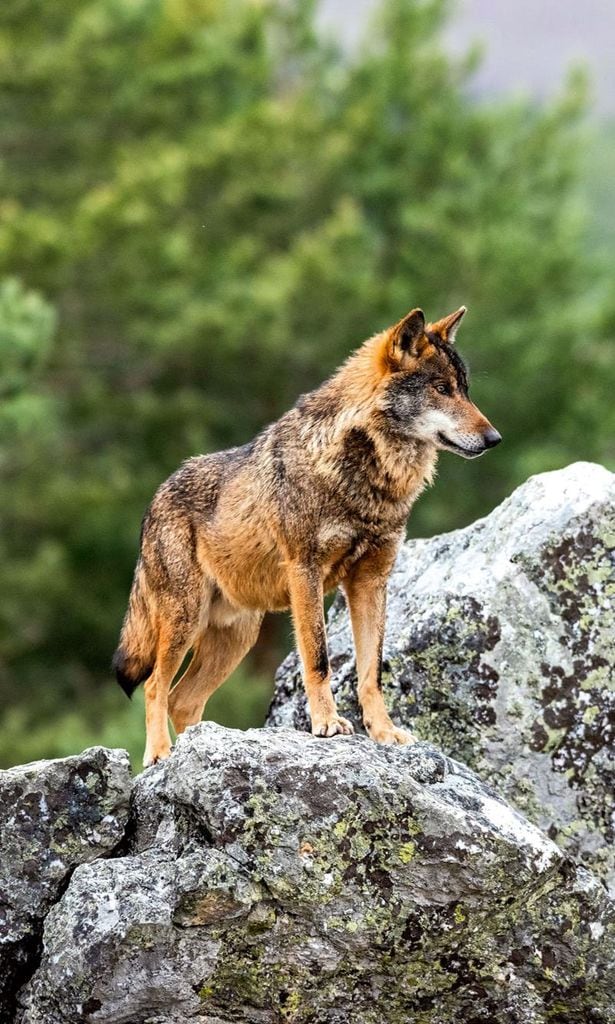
(204, 206)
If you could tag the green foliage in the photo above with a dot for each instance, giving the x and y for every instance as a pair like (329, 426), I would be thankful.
(218, 205)
(114, 722)
(26, 328)
(599, 173)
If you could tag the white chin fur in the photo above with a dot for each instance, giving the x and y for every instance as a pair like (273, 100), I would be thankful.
(464, 453)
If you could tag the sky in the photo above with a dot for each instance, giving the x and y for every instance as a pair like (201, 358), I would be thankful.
(528, 44)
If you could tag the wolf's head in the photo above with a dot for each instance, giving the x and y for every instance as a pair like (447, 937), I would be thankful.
(424, 390)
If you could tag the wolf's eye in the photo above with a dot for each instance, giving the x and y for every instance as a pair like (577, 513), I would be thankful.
(443, 389)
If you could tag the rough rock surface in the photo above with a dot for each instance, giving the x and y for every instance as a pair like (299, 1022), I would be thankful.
(54, 815)
(500, 648)
(269, 877)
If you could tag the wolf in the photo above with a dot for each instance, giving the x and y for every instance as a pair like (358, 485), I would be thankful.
(318, 500)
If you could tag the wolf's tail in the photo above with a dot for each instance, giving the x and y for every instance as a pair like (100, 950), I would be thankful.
(134, 659)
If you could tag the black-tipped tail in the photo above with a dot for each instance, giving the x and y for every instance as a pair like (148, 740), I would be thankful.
(129, 672)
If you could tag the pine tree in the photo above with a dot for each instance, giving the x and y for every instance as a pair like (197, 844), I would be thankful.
(219, 205)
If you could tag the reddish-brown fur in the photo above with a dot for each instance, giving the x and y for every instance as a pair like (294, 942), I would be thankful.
(320, 499)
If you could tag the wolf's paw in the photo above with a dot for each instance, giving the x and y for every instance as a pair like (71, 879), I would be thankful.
(334, 726)
(391, 734)
(151, 757)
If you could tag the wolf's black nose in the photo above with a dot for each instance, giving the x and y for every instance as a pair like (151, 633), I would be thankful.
(491, 437)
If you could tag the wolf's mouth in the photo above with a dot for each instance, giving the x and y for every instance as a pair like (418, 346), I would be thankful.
(467, 453)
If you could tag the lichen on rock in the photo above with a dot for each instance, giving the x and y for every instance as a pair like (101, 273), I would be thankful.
(500, 649)
(54, 815)
(269, 876)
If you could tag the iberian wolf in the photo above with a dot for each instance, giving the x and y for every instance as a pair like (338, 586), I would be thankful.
(318, 500)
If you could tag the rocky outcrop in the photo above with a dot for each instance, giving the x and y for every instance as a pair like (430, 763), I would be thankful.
(500, 648)
(54, 815)
(268, 876)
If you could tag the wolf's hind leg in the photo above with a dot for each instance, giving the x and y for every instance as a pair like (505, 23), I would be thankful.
(179, 620)
(218, 651)
(170, 653)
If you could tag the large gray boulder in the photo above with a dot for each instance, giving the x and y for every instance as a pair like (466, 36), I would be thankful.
(500, 648)
(270, 877)
(54, 815)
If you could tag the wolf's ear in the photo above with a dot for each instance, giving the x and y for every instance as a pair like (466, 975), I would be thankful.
(405, 338)
(447, 326)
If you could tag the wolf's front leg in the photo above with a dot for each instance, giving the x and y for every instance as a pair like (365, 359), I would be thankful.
(365, 590)
(306, 599)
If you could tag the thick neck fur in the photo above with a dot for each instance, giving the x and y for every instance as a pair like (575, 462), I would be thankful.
(343, 429)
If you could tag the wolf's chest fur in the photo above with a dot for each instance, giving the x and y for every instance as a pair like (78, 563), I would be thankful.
(329, 505)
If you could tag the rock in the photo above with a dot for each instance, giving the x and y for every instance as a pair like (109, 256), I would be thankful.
(500, 649)
(270, 877)
(54, 815)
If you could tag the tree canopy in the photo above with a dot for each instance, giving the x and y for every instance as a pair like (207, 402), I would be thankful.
(204, 207)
